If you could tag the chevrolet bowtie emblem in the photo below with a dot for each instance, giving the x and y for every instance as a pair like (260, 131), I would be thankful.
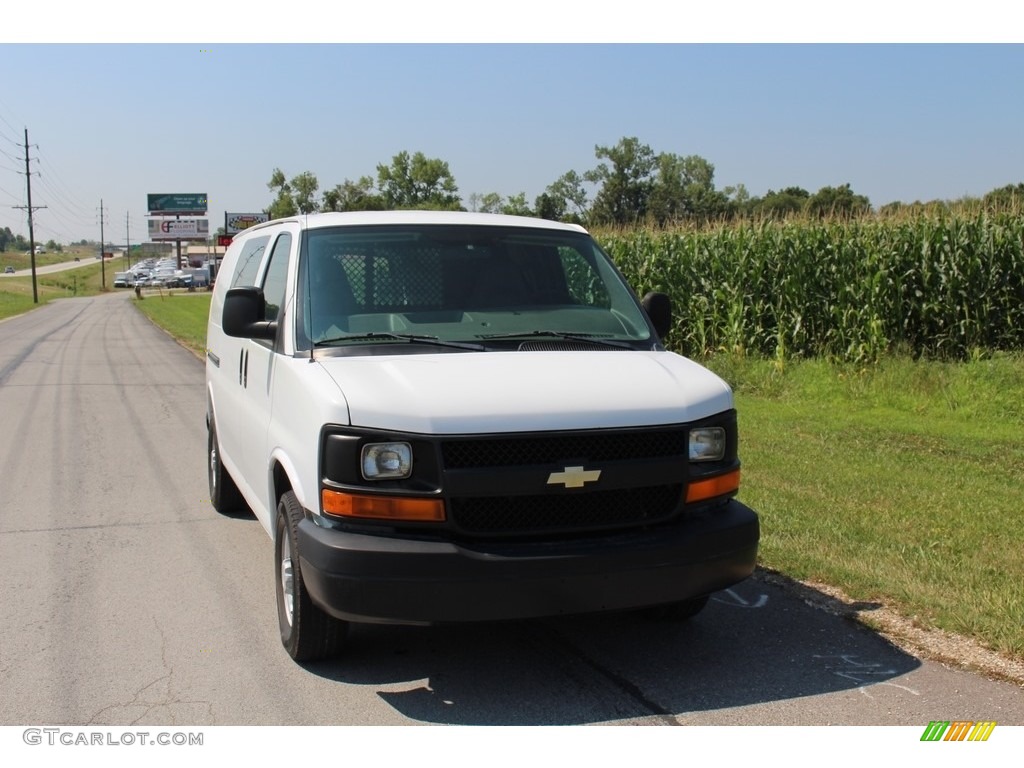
(574, 477)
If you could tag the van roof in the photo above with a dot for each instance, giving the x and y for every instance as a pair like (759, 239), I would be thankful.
(362, 218)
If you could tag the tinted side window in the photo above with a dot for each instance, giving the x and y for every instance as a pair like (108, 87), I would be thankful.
(249, 262)
(275, 276)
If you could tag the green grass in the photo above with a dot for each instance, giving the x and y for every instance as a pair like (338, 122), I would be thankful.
(86, 279)
(899, 482)
(183, 315)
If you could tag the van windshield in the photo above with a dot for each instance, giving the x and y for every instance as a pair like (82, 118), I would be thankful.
(483, 284)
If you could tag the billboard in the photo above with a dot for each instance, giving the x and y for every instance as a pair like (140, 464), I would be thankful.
(236, 222)
(193, 204)
(179, 229)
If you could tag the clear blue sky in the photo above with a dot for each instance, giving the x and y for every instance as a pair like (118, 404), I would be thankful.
(117, 121)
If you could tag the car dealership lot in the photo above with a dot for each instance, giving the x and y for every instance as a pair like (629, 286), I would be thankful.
(128, 600)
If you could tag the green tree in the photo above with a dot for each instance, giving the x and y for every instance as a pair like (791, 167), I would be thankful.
(779, 205)
(284, 203)
(668, 201)
(304, 187)
(293, 197)
(353, 196)
(684, 188)
(568, 190)
(549, 207)
(837, 201)
(417, 182)
(516, 205)
(490, 202)
(625, 185)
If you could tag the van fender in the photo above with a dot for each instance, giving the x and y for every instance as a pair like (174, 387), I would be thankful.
(282, 474)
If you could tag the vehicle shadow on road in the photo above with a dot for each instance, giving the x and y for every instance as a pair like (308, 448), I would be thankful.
(756, 643)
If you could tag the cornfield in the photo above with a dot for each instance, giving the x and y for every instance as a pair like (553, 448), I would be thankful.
(944, 287)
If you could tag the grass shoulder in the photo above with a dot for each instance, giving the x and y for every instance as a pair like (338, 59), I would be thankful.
(181, 313)
(89, 278)
(899, 483)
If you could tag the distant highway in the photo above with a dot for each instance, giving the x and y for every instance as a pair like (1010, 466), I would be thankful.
(64, 266)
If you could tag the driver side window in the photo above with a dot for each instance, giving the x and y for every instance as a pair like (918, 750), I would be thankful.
(275, 276)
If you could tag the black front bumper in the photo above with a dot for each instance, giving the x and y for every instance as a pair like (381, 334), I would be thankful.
(367, 578)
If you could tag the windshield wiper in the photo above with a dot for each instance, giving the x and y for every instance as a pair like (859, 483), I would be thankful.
(411, 338)
(584, 337)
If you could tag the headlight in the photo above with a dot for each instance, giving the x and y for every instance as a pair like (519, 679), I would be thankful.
(386, 461)
(707, 444)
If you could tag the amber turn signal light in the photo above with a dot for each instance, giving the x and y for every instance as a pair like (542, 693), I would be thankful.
(699, 490)
(382, 507)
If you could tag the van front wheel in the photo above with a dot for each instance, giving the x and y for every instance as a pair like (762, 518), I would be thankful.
(307, 633)
(224, 494)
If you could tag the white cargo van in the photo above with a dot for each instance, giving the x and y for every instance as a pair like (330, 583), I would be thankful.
(445, 417)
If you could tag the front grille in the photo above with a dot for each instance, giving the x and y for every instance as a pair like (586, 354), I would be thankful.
(565, 512)
(610, 445)
(560, 510)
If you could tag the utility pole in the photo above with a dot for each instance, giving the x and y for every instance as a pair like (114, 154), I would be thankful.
(30, 208)
(127, 241)
(103, 265)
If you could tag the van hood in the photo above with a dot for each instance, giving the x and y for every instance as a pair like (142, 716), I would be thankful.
(479, 392)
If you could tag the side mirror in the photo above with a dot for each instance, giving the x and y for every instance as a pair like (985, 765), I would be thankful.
(658, 307)
(244, 314)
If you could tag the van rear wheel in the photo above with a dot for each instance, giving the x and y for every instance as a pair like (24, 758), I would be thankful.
(307, 633)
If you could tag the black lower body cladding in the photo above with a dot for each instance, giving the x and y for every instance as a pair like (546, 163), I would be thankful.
(367, 578)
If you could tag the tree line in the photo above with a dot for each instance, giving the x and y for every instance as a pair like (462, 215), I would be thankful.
(630, 185)
(12, 242)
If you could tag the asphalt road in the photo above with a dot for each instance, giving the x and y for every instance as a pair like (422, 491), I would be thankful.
(128, 600)
(64, 266)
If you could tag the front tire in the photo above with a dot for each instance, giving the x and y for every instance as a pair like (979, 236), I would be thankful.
(307, 633)
(224, 494)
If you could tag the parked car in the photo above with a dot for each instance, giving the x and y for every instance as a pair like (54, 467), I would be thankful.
(447, 417)
(8, 270)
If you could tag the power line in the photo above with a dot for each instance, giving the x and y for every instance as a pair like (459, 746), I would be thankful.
(4, 120)
(52, 171)
(13, 197)
(56, 195)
